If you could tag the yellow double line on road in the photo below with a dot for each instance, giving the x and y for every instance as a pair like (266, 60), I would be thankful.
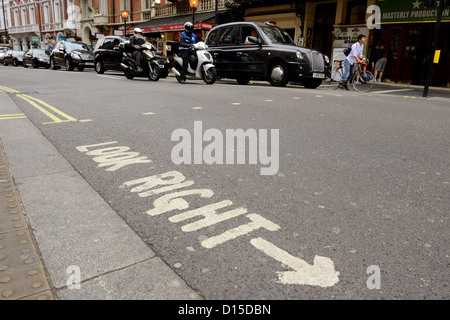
(56, 115)
(12, 116)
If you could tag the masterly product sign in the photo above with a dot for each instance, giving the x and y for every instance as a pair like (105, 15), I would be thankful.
(409, 11)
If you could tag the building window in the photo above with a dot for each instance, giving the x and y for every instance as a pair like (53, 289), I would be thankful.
(16, 18)
(24, 16)
(356, 12)
(32, 16)
(126, 4)
(104, 7)
(46, 14)
(57, 12)
(147, 4)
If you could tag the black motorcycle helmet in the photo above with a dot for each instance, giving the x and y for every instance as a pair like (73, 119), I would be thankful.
(188, 27)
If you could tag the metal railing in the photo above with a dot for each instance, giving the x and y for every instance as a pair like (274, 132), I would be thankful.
(182, 8)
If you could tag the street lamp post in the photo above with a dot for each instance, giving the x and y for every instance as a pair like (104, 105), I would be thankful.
(125, 15)
(194, 5)
(4, 20)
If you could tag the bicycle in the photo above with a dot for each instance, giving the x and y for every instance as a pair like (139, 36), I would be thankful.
(361, 80)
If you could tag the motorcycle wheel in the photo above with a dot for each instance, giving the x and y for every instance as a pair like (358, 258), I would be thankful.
(210, 75)
(154, 73)
(129, 75)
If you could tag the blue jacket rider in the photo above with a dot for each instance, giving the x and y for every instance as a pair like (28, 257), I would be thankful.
(187, 40)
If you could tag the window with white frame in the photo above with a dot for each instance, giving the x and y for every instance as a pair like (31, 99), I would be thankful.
(104, 7)
(46, 14)
(57, 9)
(16, 18)
(23, 14)
(32, 16)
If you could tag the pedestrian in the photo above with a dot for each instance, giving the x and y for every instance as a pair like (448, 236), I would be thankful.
(380, 65)
(355, 56)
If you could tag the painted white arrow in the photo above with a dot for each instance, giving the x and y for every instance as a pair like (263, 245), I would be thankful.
(321, 273)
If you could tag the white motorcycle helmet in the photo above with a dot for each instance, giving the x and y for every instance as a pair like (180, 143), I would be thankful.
(137, 32)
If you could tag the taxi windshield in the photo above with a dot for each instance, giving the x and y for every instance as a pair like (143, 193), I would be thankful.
(277, 35)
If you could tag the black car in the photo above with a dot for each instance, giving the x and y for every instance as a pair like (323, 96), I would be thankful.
(249, 50)
(71, 55)
(36, 58)
(107, 55)
(14, 57)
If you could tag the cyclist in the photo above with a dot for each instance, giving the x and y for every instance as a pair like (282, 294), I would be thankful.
(355, 56)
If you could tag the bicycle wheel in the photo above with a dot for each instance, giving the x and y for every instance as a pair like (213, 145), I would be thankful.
(332, 82)
(363, 83)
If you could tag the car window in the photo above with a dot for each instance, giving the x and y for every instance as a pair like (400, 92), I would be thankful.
(247, 31)
(277, 35)
(99, 44)
(108, 44)
(212, 37)
(40, 53)
(70, 46)
(229, 36)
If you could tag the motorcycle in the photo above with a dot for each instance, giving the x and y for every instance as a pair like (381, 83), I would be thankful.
(201, 68)
(153, 63)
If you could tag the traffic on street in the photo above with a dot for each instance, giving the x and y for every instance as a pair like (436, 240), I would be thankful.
(232, 163)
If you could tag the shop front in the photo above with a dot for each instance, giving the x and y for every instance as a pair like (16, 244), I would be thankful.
(159, 31)
(405, 39)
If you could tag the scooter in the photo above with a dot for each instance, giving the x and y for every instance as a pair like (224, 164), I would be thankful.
(153, 63)
(201, 68)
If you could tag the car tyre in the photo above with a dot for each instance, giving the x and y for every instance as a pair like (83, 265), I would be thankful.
(312, 83)
(243, 80)
(80, 69)
(99, 67)
(35, 64)
(278, 74)
(15, 63)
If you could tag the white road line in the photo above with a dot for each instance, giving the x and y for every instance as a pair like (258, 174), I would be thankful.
(85, 120)
(147, 113)
(391, 91)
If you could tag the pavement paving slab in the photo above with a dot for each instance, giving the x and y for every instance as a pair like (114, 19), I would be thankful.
(22, 273)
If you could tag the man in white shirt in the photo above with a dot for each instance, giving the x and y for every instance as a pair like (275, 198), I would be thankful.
(355, 56)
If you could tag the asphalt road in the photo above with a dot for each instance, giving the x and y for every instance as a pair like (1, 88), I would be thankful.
(363, 182)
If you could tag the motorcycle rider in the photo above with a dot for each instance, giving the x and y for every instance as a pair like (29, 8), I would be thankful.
(187, 40)
(136, 42)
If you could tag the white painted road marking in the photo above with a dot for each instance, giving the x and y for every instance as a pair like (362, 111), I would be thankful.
(321, 273)
(391, 91)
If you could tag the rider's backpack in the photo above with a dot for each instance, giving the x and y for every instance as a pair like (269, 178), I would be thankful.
(348, 50)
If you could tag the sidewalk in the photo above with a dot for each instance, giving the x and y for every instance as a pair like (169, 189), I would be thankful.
(410, 86)
(58, 238)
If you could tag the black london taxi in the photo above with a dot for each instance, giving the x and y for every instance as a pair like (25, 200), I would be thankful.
(259, 51)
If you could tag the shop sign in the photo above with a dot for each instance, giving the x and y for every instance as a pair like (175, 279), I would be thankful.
(409, 11)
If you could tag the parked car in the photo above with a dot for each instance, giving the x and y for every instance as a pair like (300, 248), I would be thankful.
(107, 55)
(36, 58)
(13, 57)
(249, 50)
(3, 50)
(71, 55)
